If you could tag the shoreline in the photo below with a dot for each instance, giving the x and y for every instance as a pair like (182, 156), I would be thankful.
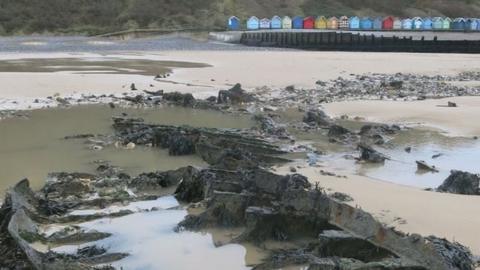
(448, 215)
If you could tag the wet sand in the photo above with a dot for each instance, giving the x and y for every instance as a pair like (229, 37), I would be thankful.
(452, 216)
(251, 68)
(459, 121)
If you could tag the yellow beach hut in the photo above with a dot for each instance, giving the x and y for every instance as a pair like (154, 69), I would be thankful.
(321, 22)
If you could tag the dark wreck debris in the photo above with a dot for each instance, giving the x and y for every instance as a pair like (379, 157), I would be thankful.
(213, 145)
(283, 208)
(377, 133)
(460, 182)
(235, 95)
(368, 154)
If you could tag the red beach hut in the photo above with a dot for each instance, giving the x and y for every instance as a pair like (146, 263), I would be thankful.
(308, 22)
(388, 23)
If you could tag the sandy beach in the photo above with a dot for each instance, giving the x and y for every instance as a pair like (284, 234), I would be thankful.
(451, 216)
(275, 69)
(459, 121)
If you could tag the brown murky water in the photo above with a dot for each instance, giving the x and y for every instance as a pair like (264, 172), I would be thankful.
(95, 65)
(31, 148)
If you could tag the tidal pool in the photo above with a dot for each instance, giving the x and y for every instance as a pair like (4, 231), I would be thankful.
(445, 153)
(33, 147)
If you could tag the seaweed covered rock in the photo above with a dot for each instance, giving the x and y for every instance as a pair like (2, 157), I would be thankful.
(235, 95)
(210, 144)
(369, 154)
(460, 182)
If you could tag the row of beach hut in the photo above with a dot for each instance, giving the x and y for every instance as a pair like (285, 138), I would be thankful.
(357, 23)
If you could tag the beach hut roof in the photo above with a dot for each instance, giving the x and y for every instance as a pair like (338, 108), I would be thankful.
(447, 19)
(344, 17)
(286, 17)
(321, 18)
(265, 19)
(276, 17)
(417, 19)
(233, 18)
(253, 18)
(459, 19)
(333, 18)
(437, 19)
(366, 18)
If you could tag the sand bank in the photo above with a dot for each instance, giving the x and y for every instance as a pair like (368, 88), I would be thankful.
(409, 209)
(459, 121)
(251, 68)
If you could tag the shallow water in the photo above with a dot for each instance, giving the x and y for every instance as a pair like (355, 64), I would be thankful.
(456, 154)
(31, 148)
(153, 244)
(90, 65)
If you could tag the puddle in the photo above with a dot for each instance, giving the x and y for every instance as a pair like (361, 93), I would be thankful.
(153, 244)
(32, 148)
(95, 65)
(454, 154)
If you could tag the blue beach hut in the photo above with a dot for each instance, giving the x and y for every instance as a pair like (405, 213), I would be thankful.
(427, 24)
(407, 24)
(471, 24)
(265, 23)
(377, 23)
(437, 23)
(417, 23)
(233, 23)
(276, 22)
(366, 23)
(458, 24)
(354, 23)
(253, 23)
(297, 22)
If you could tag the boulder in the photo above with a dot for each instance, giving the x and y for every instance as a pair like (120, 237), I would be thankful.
(460, 182)
(367, 153)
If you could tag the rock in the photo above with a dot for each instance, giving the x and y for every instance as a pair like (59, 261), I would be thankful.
(133, 87)
(337, 131)
(396, 84)
(460, 182)
(112, 105)
(317, 117)
(270, 127)
(367, 153)
(423, 166)
(185, 100)
(437, 155)
(292, 169)
(235, 95)
(341, 197)
(212, 99)
(451, 104)
(408, 149)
